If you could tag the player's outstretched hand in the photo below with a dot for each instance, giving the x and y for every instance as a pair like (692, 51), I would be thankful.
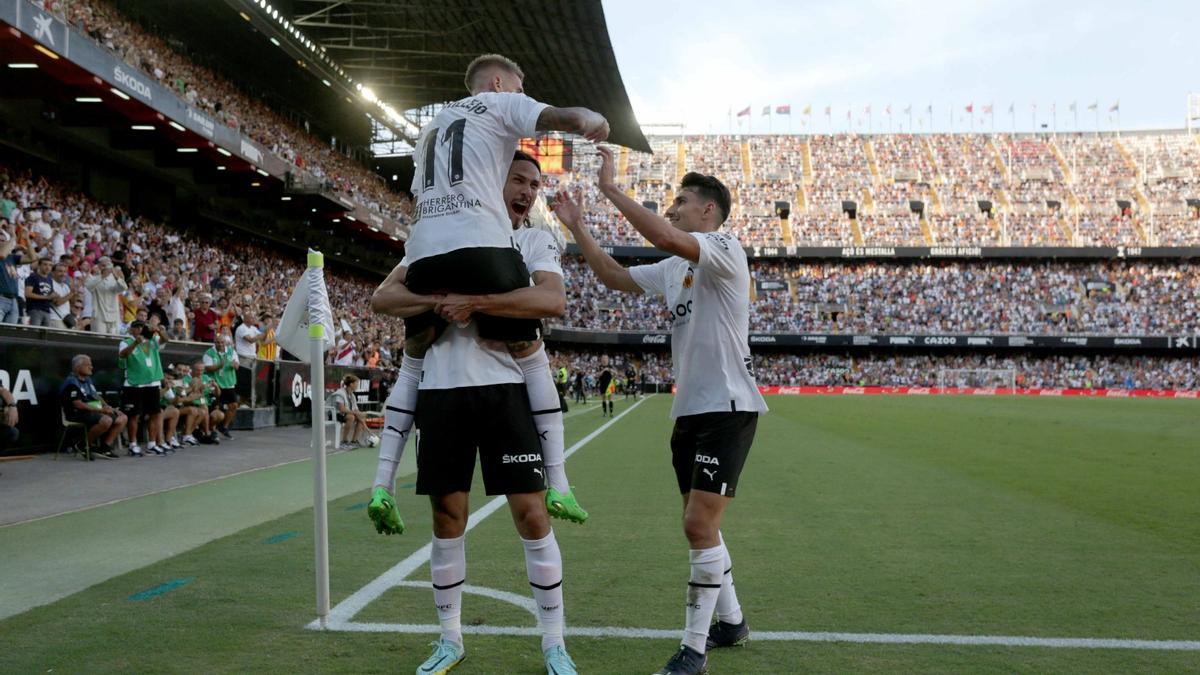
(605, 175)
(383, 512)
(567, 210)
(595, 128)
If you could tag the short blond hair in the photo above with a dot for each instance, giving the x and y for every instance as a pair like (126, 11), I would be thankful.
(484, 62)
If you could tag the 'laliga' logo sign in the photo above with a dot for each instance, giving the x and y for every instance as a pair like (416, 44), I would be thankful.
(300, 390)
(22, 389)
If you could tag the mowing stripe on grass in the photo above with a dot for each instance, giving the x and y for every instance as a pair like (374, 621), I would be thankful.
(346, 610)
(796, 636)
(281, 537)
(161, 588)
(357, 507)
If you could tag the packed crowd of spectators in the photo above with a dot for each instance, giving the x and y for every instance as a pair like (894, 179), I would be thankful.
(101, 268)
(1023, 370)
(1021, 175)
(862, 369)
(219, 96)
(1102, 298)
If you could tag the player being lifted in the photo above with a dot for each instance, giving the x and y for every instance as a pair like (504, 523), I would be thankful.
(539, 253)
(462, 239)
(706, 284)
(466, 402)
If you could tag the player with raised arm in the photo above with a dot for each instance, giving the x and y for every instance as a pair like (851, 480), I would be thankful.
(540, 255)
(706, 283)
(462, 238)
(545, 298)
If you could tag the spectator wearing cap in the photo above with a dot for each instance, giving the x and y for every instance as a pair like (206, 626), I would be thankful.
(221, 362)
(106, 285)
(204, 319)
(138, 355)
(82, 403)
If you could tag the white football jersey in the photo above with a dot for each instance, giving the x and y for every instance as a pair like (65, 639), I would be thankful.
(539, 250)
(459, 358)
(462, 159)
(710, 310)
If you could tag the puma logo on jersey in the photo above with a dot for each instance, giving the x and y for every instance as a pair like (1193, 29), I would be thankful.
(705, 459)
(537, 471)
(521, 459)
(711, 473)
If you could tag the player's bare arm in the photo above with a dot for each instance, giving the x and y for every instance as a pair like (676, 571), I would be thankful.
(656, 229)
(587, 123)
(393, 298)
(547, 298)
(610, 272)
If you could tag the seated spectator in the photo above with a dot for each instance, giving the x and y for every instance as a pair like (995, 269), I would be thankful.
(177, 331)
(170, 413)
(82, 403)
(198, 402)
(354, 422)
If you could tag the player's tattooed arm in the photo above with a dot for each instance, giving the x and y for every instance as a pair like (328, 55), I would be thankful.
(609, 271)
(587, 123)
(393, 298)
(656, 229)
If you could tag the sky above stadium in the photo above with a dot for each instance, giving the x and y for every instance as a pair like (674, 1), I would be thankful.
(701, 62)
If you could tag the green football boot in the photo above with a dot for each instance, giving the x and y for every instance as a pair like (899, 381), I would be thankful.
(563, 505)
(384, 514)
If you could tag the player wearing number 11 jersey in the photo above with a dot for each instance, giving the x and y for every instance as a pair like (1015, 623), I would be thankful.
(461, 239)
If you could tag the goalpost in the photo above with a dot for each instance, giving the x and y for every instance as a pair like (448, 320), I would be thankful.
(985, 378)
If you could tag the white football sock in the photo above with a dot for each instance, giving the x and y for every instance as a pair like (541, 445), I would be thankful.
(448, 569)
(543, 563)
(397, 421)
(547, 415)
(728, 609)
(703, 587)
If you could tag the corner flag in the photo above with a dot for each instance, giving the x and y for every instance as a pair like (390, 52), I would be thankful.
(307, 321)
(308, 306)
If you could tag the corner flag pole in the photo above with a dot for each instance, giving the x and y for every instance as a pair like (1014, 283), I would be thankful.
(316, 335)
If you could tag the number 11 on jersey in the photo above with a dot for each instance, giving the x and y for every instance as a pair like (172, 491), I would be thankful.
(454, 168)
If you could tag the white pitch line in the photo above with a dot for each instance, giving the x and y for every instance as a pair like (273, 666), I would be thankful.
(340, 616)
(797, 636)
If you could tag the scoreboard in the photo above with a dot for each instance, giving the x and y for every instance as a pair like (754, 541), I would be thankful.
(554, 154)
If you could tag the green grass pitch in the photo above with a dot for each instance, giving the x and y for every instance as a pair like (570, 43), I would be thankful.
(998, 516)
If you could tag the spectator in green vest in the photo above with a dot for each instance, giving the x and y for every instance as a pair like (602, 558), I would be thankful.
(138, 356)
(221, 361)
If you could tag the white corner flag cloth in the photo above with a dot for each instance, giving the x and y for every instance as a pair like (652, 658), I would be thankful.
(308, 305)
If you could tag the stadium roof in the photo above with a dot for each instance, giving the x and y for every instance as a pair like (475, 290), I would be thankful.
(413, 53)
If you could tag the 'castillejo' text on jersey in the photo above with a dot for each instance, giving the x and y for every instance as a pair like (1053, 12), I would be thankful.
(710, 310)
(462, 159)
